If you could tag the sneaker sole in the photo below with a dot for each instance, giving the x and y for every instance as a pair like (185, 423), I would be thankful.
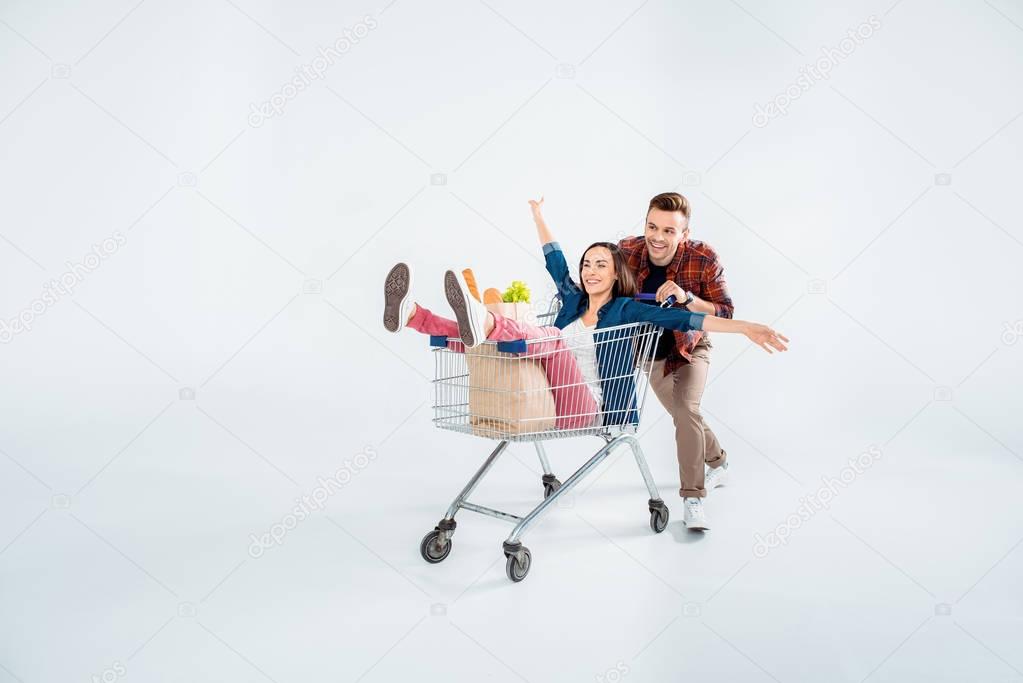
(396, 288)
(460, 305)
(696, 527)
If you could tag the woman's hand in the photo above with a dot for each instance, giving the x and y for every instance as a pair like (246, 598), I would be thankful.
(766, 338)
(537, 208)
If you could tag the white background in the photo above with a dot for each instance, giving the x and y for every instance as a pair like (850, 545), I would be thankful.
(877, 223)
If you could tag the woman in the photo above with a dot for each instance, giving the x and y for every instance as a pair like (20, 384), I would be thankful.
(596, 374)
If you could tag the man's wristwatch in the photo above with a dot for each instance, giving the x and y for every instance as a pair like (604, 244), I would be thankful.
(689, 299)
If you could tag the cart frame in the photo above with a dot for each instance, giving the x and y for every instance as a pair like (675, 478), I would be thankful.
(437, 544)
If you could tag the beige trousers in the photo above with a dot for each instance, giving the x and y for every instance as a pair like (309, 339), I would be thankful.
(680, 393)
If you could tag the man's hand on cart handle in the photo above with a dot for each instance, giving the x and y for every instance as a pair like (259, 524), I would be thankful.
(667, 303)
(670, 288)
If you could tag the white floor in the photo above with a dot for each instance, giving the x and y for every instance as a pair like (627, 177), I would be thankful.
(909, 576)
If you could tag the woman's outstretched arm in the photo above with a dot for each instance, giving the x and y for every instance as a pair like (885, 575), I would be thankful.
(683, 321)
(761, 335)
(542, 231)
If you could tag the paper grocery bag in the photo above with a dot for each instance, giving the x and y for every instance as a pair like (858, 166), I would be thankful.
(519, 311)
(508, 394)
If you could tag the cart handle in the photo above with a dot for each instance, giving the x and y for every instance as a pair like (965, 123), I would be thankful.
(520, 345)
(646, 296)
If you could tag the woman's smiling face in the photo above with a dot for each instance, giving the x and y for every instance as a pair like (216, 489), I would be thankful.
(597, 271)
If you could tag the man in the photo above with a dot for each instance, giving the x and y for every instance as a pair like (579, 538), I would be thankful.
(667, 262)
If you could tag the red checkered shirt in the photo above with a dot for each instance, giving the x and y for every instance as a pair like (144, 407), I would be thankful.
(695, 268)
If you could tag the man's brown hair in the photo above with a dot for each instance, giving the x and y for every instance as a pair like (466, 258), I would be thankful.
(670, 201)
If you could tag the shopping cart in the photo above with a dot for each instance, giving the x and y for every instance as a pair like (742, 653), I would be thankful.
(530, 391)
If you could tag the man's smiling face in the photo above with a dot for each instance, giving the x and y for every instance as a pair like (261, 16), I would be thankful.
(665, 231)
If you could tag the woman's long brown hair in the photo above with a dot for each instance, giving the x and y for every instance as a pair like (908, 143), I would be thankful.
(625, 285)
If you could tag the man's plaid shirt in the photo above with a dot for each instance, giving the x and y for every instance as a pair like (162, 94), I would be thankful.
(696, 269)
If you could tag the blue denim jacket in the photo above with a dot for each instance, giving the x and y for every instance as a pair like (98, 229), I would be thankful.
(615, 350)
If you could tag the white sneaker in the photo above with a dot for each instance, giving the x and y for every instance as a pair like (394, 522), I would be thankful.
(715, 476)
(397, 303)
(695, 518)
(470, 314)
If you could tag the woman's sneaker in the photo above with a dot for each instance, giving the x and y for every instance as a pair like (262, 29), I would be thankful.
(470, 314)
(397, 304)
(695, 518)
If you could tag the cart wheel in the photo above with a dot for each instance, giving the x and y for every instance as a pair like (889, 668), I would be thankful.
(659, 519)
(516, 572)
(431, 548)
(550, 487)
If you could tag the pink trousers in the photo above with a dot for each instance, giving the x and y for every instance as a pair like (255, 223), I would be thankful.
(573, 402)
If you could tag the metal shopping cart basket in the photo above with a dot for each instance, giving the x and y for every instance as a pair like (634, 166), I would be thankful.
(536, 390)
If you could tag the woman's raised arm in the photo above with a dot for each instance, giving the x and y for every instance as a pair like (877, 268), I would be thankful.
(542, 231)
(552, 256)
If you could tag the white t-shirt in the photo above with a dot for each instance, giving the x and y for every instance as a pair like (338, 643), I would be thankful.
(579, 339)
